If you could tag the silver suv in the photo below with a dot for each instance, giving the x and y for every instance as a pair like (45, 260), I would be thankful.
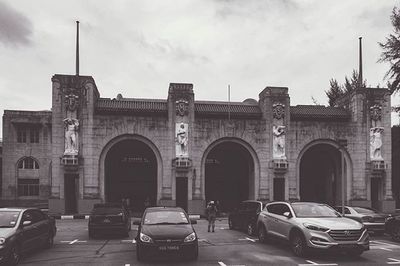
(308, 225)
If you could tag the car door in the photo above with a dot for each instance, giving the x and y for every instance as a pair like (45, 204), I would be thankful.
(283, 224)
(28, 232)
(237, 215)
(270, 218)
(42, 225)
(251, 210)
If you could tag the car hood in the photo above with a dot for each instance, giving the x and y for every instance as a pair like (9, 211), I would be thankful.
(167, 231)
(6, 232)
(334, 223)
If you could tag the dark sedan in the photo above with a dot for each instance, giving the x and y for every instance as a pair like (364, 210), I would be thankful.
(373, 220)
(167, 231)
(392, 226)
(109, 218)
(245, 216)
(22, 230)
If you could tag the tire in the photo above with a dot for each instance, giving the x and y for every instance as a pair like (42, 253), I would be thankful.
(251, 229)
(14, 256)
(395, 234)
(262, 234)
(230, 223)
(298, 245)
(49, 241)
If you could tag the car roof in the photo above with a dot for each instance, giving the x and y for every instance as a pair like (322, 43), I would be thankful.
(257, 201)
(165, 209)
(16, 209)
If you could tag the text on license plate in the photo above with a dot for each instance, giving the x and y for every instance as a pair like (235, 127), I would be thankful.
(106, 221)
(164, 248)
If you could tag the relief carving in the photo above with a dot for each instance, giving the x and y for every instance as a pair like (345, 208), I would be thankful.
(182, 107)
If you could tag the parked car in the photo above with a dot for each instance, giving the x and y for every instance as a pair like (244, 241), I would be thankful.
(392, 226)
(167, 231)
(245, 216)
(24, 229)
(110, 218)
(308, 225)
(372, 219)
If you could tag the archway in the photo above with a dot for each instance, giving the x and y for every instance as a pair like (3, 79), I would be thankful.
(229, 174)
(130, 168)
(321, 174)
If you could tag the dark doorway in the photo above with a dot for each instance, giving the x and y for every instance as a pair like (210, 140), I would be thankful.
(131, 173)
(279, 189)
(182, 192)
(375, 188)
(320, 175)
(228, 171)
(71, 188)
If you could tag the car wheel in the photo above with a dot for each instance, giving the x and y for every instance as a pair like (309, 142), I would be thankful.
(49, 241)
(250, 229)
(262, 234)
(230, 223)
(395, 234)
(298, 245)
(14, 256)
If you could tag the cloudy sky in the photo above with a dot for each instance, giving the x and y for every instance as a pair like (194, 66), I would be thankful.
(138, 47)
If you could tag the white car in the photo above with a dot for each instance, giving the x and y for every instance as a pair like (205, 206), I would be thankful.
(308, 225)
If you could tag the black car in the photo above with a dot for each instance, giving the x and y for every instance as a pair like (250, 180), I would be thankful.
(167, 231)
(109, 218)
(392, 226)
(245, 216)
(22, 230)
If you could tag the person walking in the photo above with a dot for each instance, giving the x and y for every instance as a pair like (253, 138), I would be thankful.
(211, 212)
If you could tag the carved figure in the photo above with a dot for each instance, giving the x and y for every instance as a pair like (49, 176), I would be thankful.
(182, 140)
(279, 142)
(376, 143)
(71, 136)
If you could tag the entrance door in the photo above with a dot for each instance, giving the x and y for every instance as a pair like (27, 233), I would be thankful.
(71, 185)
(182, 192)
(375, 187)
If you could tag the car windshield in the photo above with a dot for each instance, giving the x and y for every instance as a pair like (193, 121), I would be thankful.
(165, 217)
(303, 210)
(364, 210)
(8, 219)
(107, 211)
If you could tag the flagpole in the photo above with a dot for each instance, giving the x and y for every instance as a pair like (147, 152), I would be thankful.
(229, 102)
(77, 48)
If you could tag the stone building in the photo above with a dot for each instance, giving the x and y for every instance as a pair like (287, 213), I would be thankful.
(179, 151)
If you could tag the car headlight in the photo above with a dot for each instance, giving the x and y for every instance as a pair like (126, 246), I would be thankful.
(315, 227)
(145, 238)
(190, 238)
(366, 219)
(2, 240)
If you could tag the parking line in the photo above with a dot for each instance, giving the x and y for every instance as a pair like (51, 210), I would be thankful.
(249, 239)
(384, 243)
(394, 261)
(133, 241)
(386, 249)
(310, 262)
(70, 242)
(221, 263)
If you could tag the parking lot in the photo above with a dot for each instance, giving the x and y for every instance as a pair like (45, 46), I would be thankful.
(224, 247)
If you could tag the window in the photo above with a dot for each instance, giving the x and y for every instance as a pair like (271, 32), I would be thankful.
(21, 135)
(28, 187)
(28, 163)
(34, 135)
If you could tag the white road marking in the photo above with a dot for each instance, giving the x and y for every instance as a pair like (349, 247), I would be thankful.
(384, 243)
(133, 241)
(394, 261)
(386, 249)
(310, 262)
(248, 239)
(221, 263)
(127, 265)
(70, 242)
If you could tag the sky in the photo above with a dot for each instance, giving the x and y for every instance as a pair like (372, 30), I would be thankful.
(137, 48)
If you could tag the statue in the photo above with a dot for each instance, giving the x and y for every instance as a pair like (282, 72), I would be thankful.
(279, 142)
(71, 136)
(375, 134)
(181, 140)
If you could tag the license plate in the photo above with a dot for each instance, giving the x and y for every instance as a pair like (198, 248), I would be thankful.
(165, 248)
(106, 221)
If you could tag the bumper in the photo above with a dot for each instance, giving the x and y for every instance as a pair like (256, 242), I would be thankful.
(322, 240)
(107, 227)
(181, 250)
(375, 227)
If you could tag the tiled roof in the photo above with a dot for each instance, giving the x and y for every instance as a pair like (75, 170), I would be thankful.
(224, 108)
(132, 105)
(318, 112)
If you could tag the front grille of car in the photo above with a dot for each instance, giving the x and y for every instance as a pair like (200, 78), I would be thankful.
(168, 241)
(345, 235)
(378, 220)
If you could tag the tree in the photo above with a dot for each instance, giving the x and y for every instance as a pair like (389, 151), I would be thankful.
(391, 52)
(334, 92)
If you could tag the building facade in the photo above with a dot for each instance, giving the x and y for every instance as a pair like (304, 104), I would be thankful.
(179, 151)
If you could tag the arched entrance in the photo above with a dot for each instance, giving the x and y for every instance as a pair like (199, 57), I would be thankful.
(321, 174)
(229, 174)
(130, 169)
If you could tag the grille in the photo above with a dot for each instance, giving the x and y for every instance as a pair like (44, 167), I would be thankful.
(345, 235)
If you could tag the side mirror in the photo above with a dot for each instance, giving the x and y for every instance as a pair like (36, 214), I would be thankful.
(193, 221)
(287, 215)
(26, 223)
